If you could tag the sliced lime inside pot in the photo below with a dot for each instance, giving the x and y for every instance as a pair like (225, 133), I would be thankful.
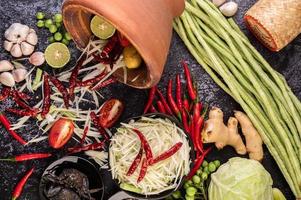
(57, 55)
(101, 28)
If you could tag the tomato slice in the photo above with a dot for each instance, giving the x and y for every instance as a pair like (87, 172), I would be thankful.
(123, 40)
(60, 133)
(110, 112)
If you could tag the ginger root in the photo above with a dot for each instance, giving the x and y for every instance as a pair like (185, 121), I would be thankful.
(215, 131)
(253, 139)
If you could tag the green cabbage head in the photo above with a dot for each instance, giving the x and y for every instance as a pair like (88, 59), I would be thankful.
(241, 179)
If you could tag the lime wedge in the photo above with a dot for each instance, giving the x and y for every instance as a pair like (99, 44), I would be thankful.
(102, 28)
(57, 55)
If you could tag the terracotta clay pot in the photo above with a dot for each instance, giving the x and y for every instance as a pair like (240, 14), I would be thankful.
(146, 23)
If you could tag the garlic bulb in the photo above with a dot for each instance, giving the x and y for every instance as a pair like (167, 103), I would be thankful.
(7, 79)
(229, 9)
(20, 40)
(19, 74)
(5, 66)
(37, 58)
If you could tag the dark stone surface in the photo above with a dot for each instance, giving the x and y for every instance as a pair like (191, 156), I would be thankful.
(286, 61)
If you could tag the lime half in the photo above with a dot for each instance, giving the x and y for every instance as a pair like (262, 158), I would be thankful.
(57, 55)
(102, 28)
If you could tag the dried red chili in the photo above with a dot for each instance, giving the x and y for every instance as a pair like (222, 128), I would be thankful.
(190, 88)
(179, 92)
(104, 84)
(20, 101)
(20, 95)
(109, 46)
(93, 146)
(143, 170)
(73, 77)
(46, 100)
(101, 130)
(162, 98)
(167, 154)
(62, 89)
(22, 113)
(161, 107)
(151, 97)
(6, 124)
(92, 81)
(4, 93)
(171, 100)
(136, 162)
(86, 130)
(24, 157)
(146, 147)
(19, 187)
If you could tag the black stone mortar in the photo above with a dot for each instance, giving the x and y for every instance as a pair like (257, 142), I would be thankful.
(287, 62)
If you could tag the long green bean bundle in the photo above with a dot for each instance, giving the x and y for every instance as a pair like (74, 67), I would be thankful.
(235, 65)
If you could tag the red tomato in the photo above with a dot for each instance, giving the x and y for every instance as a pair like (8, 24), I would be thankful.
(110, 112)
(60, 133)
(123, 40)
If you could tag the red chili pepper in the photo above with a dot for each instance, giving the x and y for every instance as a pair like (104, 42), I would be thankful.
(143, 170)
(4, 93)
(22, 113)
(146, 146)
(197, 108)
(179, 92)
(92, 81)
(21, 95)
(198, 141)
(24, 157)
(162, 98)
(167, 154)
(191, 90)
(95, 121)
(86, 130)
(93, 146)
(186, 103)
(109, 46)
(62, 89)
(150, 100)
(19, 187)
(161, 107)
(185, 121)
(136, 162)
(73, 77)
(104, 84)
(171, 100)
(46, 100)
(197, 164)
(152, 109)
(6, 124)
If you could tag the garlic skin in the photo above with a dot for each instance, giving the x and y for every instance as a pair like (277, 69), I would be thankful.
(5, 66)
(37, 58)
(16, 51)
(229, 9)
(19, 74)
(27, 49)
(218, 3)
(20, 40)
(7, 79)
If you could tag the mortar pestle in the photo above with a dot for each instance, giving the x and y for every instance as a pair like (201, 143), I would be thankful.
(146, 23)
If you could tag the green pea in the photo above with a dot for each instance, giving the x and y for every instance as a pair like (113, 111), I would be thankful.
(187, 197)
(40, 15)
(206, 169)
(211, 167)
(199, 172)
(58, 36)
(217, 163)
(196, 179)
(58, 24)
(51, 39)
(177, 194)
(191, 191)
(186, 185)
(68, 36)
(40, 24)
(48, 23)
(66, 42)
(205, 163)
(58, 17)
(52, 28)
(204, 176)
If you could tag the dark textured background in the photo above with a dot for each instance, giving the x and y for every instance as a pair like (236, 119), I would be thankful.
(287, 62)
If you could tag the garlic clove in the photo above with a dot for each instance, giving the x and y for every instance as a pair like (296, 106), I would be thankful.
(218, 3)
(26, 48)
(19, 74)
(229, 9)
(17, 33)
(5, 66)
(16, 51)
(32, 38)
(8, 45)
(7, 79)
(37, 58)
(32, 30)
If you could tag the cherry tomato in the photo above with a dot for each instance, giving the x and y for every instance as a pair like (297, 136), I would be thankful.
(110, 112)
(123, 40)
(60, 133)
